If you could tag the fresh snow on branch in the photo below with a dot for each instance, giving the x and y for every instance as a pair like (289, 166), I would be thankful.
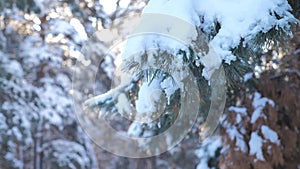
(240, 21)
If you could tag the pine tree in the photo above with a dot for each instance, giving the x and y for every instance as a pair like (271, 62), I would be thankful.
(242, 52)
(40, 44)
(238, 37)
(38, 124)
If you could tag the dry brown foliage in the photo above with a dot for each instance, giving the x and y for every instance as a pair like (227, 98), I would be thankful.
(282, 86)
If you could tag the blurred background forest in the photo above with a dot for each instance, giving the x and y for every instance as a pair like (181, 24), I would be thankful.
(42, 40)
